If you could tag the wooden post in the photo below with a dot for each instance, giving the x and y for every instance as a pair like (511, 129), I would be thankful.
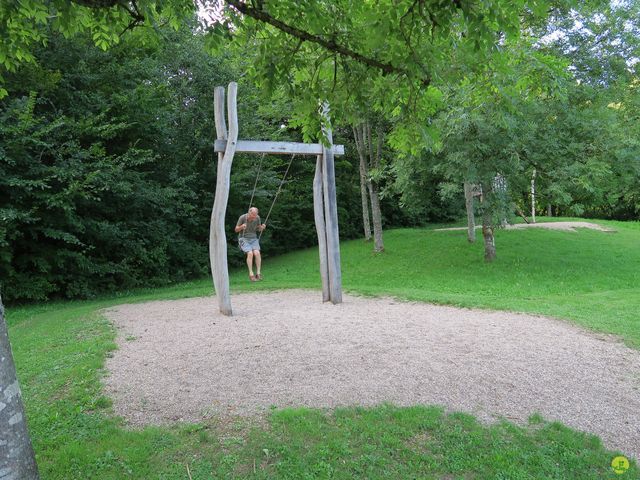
(331, 212)
(318, 214)
(221, 134)
(217, 235)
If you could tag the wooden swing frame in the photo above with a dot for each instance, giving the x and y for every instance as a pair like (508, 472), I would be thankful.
(324, 197)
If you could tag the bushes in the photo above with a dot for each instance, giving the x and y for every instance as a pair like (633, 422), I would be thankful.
(107, 174)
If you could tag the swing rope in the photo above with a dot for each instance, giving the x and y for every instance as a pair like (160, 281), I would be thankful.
(278, 192)
(255, 184)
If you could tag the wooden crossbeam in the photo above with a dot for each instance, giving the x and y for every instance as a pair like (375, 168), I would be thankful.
(257, 146)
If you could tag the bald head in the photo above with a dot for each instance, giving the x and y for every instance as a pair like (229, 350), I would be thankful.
(252, 214)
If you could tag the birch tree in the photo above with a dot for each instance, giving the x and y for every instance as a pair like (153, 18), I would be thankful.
(17, 460)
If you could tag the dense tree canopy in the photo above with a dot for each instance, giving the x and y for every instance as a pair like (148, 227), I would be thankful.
(106, 165)
(107, 169)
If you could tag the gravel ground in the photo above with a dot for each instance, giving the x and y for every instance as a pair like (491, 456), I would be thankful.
(183, 361)
(564, 226)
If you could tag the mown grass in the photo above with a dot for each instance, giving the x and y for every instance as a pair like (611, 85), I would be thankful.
(589, 277)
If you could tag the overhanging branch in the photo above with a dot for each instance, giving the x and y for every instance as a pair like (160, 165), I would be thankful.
(331, 45)
(130, 6)
(97, 3)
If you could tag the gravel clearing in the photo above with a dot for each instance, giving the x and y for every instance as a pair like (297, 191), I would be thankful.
(183, 361)
(563, 226)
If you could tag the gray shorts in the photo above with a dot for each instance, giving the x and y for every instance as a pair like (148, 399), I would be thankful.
(248, 244)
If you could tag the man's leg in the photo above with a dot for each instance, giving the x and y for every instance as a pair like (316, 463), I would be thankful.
(256, 253)
(250, 263)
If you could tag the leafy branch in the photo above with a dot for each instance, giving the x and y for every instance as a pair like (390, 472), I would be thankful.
(258, 13)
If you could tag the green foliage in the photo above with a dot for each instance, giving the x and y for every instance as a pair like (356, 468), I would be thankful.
(107, 172)
(27, 25)
(391, 58)
(592, 140)
(96, 194)
(562, 109)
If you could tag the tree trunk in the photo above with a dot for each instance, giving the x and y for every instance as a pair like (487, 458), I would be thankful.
(533, 196)
(499, 191)
(17, 460)
(363, 188)
(378, 242)
(487, 233)
(549, 211)
(376, 213)
(471, 219)
(365, 204)
(364, 145)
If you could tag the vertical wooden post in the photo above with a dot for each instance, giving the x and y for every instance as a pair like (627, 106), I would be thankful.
(331, 212)
(221, 134)
(318, 214)
(217, 236)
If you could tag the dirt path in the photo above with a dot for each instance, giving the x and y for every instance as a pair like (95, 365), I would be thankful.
(181, 360)
(564, 226)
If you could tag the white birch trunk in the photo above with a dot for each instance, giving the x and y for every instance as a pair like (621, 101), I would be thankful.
(17, 460)
(533, 196)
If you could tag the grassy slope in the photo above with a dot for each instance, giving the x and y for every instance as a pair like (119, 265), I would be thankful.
(590, 277)
(60, 349)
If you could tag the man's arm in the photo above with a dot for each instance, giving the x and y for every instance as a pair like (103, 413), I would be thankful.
(241, 225)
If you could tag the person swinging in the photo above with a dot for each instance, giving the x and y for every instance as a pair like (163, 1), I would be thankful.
(248, 226)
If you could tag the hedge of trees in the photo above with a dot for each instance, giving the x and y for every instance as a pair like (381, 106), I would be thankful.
(106, 162)
(107, 171)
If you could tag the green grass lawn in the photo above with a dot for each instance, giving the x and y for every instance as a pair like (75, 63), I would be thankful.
(588, 277)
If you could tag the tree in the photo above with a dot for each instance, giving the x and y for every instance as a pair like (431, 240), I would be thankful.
(370, 158)
(17, 460)
(469, 194)
(400, 45)
(595, 130)
(482, 128)
(100, 171)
